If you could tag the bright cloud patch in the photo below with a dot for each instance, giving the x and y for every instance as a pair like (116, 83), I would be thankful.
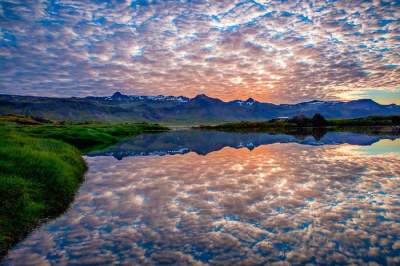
(279, 51)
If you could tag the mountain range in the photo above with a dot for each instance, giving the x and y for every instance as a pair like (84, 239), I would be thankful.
(180, 109)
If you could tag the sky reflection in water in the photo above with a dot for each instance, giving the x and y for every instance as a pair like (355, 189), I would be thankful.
(286, 202)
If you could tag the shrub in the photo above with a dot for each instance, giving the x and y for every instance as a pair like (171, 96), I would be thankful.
(318, 120)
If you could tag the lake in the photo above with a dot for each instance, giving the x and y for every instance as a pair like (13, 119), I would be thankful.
(207, 197)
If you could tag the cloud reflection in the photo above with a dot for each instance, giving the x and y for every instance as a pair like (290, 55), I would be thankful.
(283, 203)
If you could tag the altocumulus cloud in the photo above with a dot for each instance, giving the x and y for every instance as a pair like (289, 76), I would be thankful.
(279, 51)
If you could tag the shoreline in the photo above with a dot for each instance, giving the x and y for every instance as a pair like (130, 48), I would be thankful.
(303, 125)
(272, 129)
(43, 167)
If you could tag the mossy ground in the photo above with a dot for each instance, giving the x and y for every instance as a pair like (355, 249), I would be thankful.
(41, 168)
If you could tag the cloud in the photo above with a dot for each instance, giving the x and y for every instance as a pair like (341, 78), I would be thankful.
(279, 51)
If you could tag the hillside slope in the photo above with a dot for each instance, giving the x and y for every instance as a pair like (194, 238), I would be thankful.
(200, 109)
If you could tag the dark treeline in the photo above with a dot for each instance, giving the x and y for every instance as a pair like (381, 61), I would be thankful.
(303, 121)
(319, 121)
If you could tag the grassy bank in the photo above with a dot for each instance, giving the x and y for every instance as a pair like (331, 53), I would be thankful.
(304, 125)
(41, 168)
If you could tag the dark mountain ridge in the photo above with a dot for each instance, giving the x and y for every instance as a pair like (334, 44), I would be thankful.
(200, 109)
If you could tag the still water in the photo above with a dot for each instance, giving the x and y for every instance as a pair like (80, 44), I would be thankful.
(214, 198)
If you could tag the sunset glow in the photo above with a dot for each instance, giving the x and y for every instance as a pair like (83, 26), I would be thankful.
(275, 51)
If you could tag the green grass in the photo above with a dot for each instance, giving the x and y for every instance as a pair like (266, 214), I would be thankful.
(87, 137)
(38, 179)
(41, 168)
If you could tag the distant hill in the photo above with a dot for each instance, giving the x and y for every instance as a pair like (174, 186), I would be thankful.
(200, 109)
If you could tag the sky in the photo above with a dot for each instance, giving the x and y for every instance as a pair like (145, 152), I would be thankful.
(274, 51)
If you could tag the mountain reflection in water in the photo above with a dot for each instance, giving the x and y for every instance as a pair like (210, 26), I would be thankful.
(282, 202)
(204, 142)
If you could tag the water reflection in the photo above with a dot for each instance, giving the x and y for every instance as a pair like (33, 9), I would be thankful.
(204, 142)
(286, 203)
